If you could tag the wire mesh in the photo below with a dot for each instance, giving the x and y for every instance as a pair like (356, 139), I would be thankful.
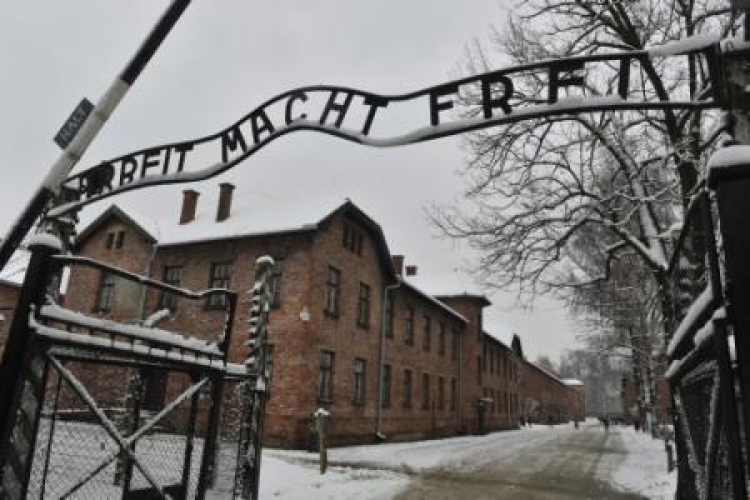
(75, 457)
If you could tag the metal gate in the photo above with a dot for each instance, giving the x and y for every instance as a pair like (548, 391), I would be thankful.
(107, 409)
(709, 363)
(123, 441)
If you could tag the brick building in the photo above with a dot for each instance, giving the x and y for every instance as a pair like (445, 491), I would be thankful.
(11, 279)
(544, 397)
(8, 297)
(577, 399)
(349, 332)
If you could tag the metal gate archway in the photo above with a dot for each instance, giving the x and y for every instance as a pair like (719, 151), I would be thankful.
(158, 437)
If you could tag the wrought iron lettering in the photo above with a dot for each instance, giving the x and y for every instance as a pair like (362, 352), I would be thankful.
(354, 115)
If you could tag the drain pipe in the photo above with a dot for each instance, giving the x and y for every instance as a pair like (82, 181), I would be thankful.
(381, 358)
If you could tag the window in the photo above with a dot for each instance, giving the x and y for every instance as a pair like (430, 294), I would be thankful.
(106, 294)
(219, 278)
(389, 298)
(155, 389)
(441, 393)
(454, 342)
(386, 386)
(359, 382)
(492, 361)
(479, 370)
(484, 356)
(453, 394)
(326, 376)
(441, 340)
(353, 239)
(172, 276)
(363, 306)
(119, 239)
(426, 340)
(110, 241)
(409, 334)
(425, 391)
(276, 280)
(408, 383)
(333, 285)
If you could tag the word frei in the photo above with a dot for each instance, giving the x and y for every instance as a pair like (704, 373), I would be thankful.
(351, 114)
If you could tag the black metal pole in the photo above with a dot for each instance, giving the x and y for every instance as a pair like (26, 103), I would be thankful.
(59, 171)
(728, 406)
(18, 347)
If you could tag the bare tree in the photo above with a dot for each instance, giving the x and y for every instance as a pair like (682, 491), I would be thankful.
(621, 180)
(559, 204)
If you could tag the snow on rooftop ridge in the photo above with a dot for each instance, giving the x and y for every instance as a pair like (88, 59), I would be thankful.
(147, 223)
(249, 216)
(546, 372)
(572, 381)
(435, 301)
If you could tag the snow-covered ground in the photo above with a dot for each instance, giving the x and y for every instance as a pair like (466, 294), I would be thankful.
(645, 467)
(532, 460)
(382, 471)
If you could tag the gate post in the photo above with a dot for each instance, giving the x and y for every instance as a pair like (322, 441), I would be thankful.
(731, 183)
(17, 373)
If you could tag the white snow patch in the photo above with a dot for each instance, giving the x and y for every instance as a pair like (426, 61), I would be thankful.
(729, 156)
(132, 331)
(46, 240)
(684, 45)
(644, 468)
(701, 303)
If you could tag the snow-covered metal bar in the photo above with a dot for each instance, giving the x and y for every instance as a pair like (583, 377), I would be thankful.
(156, 336)
(700, 311)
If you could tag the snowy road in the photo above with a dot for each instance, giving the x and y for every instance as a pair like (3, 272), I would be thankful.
(539, 463)
(544, 464)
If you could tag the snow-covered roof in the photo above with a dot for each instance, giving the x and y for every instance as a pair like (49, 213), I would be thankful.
(433, 300)
(546, 372)
(249, 216)
(496, 339)
(572, 381)
(147, 226)
(447, 284)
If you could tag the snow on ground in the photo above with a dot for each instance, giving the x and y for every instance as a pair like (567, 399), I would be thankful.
(644, 469)
(376, 472)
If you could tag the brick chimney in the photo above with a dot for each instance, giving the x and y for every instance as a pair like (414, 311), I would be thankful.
(225, 201)
(189, 204)
(398, 264)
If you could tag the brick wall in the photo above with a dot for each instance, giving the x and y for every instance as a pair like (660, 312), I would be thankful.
(8, 298)
(544, 398)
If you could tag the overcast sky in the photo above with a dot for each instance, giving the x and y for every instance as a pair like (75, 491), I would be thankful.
(222, 60)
